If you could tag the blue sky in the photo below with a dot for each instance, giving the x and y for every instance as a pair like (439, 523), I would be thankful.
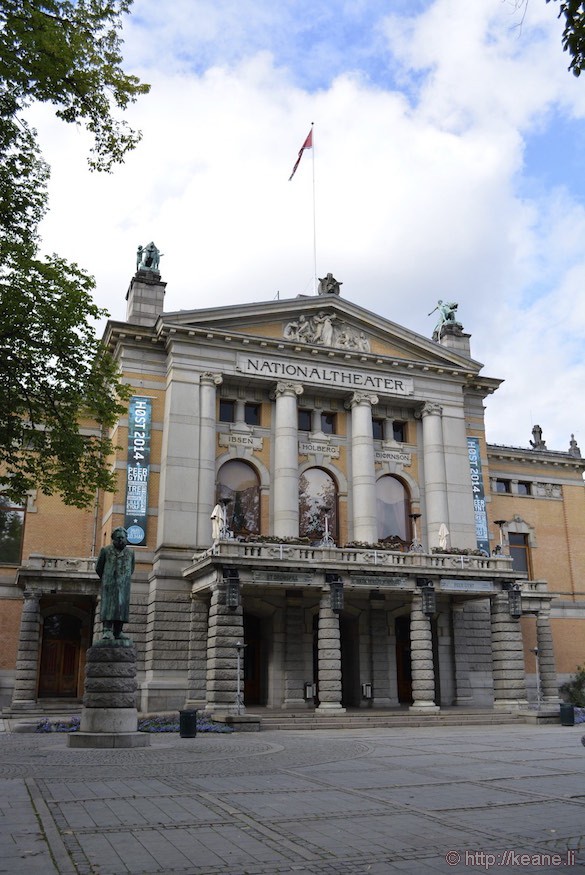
(449, 157)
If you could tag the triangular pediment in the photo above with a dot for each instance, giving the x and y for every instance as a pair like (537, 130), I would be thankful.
(320, 323)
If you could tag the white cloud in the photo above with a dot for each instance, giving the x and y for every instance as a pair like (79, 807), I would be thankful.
(419, 184)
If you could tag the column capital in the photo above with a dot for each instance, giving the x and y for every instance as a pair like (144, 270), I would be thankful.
(210, 379)
(287, 389)
(32, 595)
(361, 398)
(431, 408)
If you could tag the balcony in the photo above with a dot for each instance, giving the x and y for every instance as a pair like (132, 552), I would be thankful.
(357, 566)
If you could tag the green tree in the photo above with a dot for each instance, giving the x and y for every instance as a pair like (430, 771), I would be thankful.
(55, 376)
(573, 32)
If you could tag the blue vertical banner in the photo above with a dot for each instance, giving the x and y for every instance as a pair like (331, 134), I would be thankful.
(481, 523)
(138, 469)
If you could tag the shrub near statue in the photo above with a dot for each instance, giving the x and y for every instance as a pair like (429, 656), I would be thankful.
(114, 567)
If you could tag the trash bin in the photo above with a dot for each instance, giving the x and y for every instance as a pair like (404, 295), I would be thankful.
(567, 715)
(187, 724)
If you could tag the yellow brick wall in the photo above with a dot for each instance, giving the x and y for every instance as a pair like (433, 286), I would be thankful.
(57, 530)
(569, 644)
(10, 612)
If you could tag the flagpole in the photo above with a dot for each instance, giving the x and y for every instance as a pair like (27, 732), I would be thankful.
(314, 217)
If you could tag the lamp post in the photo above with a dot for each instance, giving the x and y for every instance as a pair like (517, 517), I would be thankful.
(501, 524)
(225, 532)
(538, 690)
(239, 645)
(327, 540)
(416, 546)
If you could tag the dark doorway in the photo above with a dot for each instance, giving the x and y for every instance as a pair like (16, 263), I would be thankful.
(403, 667)
(350, 661)
(254, 661)
(60, 651)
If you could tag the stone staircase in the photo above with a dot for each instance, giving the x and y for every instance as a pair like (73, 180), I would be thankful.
(394, 719)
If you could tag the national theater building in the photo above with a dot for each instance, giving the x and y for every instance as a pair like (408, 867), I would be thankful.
(313, 481)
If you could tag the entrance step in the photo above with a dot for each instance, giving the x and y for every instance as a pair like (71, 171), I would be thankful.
(384, 720)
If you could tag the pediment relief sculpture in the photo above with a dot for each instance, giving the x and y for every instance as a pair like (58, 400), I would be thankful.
(325, 330)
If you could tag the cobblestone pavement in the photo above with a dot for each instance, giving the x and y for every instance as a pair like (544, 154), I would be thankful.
(345, 802)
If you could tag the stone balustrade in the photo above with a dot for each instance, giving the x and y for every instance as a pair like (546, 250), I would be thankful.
(347, 559)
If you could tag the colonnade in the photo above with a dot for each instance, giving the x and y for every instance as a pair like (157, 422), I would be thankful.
(225, 627)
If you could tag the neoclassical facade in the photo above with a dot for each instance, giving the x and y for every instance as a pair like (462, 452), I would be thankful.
(310, 495)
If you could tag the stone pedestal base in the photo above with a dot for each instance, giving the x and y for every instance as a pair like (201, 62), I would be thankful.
(108, 739)
(326, 708)
(423, 708)
(109, 717)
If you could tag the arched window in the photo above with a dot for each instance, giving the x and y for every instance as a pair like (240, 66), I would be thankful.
(239, 482)
(392, 509)
(317, 499)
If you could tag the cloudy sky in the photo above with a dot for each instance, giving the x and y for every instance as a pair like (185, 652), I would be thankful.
(449, 163)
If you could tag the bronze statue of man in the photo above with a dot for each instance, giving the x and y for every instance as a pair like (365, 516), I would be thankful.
(114, 567)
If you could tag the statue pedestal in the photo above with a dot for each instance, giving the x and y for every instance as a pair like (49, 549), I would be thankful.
(109, 717)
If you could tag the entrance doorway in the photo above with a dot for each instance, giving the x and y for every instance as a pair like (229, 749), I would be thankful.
(350, 661)
(255, 655)
(60, 652)
(403, 665)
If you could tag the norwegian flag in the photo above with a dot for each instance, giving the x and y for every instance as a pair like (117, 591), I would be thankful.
(308, 144)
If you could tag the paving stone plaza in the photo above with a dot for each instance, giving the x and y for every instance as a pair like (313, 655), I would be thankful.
(355, 802)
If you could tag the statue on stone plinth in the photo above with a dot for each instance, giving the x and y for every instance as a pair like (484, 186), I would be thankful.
(148, 258)
(537, 443)
(574, 448)
(328, 285)
(114, 567)
(447, 313)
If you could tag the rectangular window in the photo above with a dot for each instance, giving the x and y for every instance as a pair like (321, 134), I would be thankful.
(252, 414)
(523, 487)
(378, 429)
(305, 420)
(503, 486)
(520, 552)
(11, 533)
(399, 432)
(227, 410)
(328, 423)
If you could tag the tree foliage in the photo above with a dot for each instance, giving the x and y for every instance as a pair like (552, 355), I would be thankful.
(69, 54)
(56, 380)
(573, 12)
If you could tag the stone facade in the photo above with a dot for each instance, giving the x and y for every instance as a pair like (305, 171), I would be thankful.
(344, 459)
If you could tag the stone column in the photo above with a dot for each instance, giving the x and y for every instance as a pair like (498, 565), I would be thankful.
(197, 664)
(208, 384)
(329, 657)
(363, 471)
(507, 656)
(421, 654)
(294, 665)
(26, 679)
(225, 627)
(549, 688)
(285, 482)
(436, 504)
(380, 655)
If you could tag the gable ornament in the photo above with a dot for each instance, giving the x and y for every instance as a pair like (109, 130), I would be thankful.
(324, 329)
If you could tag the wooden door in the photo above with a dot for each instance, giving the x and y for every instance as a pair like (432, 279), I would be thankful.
(60, 652)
